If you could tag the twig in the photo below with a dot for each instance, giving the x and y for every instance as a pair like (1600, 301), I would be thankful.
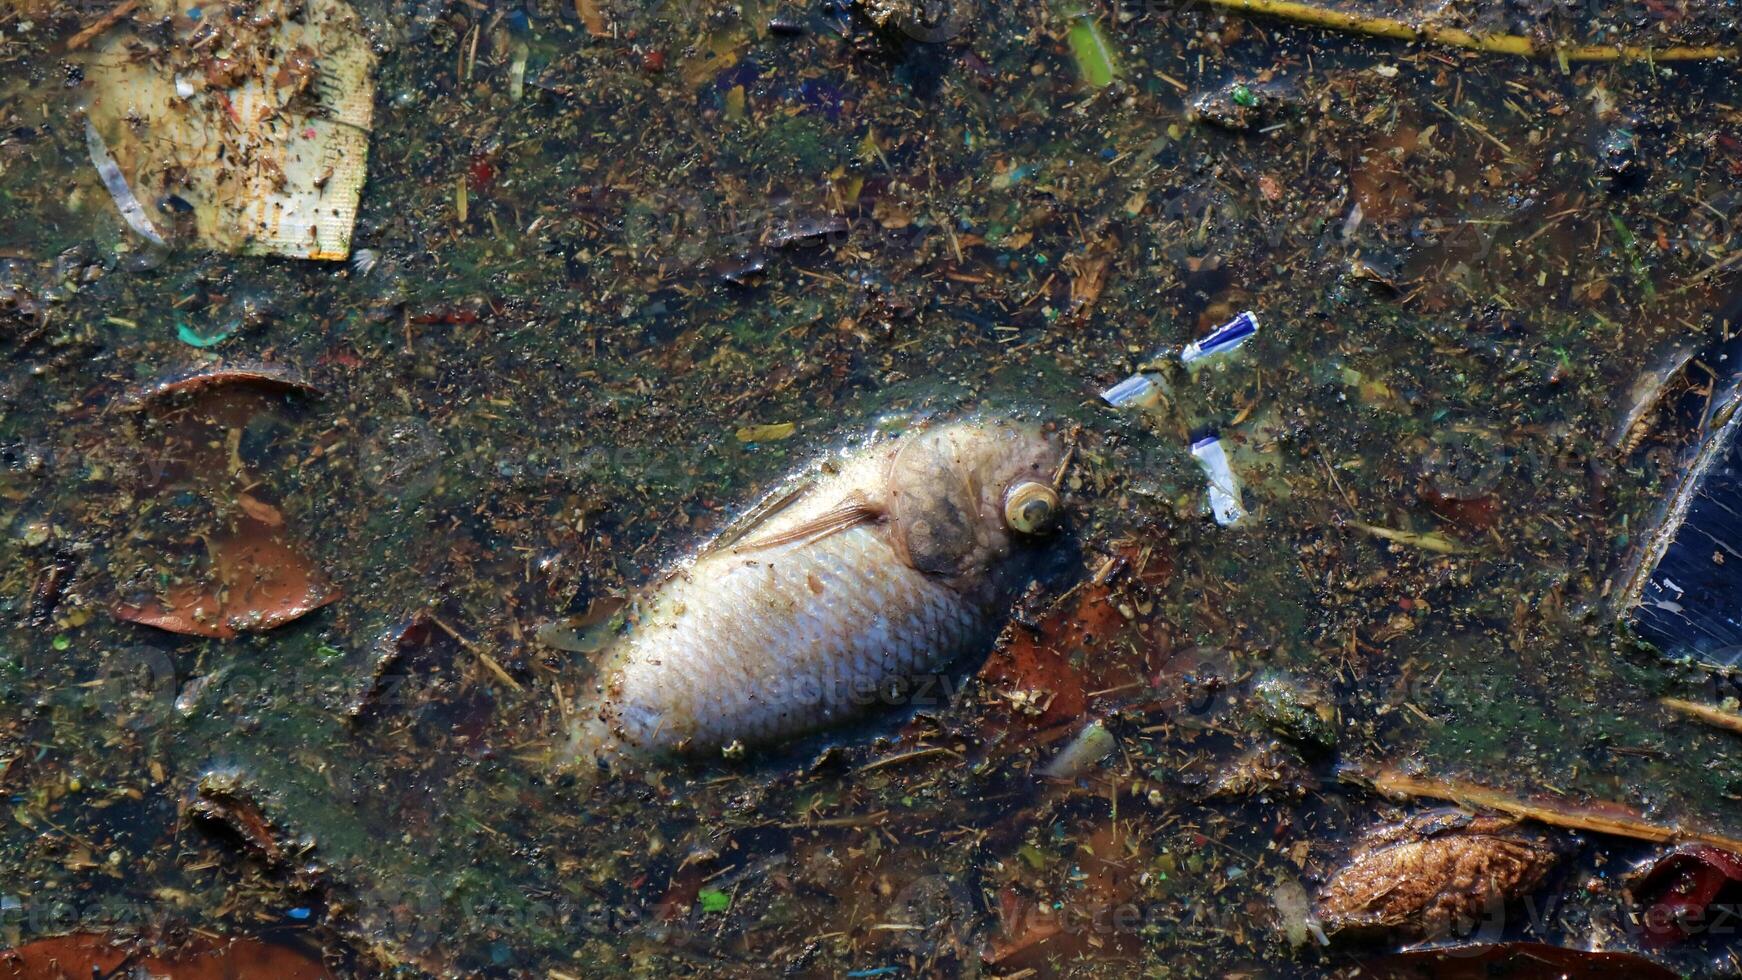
(1389, 782)
(1514, 44)
(1717, 717)
(895, 760)
(478, 651)
(1474, 126)
(101, 24)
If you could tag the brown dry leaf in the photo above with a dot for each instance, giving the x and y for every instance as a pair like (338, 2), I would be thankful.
(261, 374)
(85, 954)
(255, 582)
(1420, 881)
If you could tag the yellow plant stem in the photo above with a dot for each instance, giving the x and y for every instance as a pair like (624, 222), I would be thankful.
(1514, 44)
(1605, 818)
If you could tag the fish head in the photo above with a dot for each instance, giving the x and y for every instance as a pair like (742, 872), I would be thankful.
(968, 496)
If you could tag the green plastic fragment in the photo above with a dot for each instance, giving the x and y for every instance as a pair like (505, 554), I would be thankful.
(714, 900)
(63, 642)
(193, 338)
(1244, 96)
(1093, 54)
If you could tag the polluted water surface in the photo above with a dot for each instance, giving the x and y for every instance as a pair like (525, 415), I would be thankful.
(498, 489)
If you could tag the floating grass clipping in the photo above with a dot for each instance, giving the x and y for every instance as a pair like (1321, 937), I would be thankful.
(1093, 54)
(1515, 44)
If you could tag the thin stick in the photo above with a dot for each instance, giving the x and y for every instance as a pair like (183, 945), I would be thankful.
(477, 651)
(1730, 721)
(1389, 782)
(1514, 44)
(101, 24)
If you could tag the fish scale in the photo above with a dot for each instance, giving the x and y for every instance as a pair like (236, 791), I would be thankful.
(785, 632)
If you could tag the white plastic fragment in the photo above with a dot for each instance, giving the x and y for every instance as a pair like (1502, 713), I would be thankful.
(1222, 340)
(1134, 389)
(1142, 389)
(131, 210)
(1212, 458)
(1091, 745)
(255, 115)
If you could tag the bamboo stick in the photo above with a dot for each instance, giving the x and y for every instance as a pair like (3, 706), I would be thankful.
(1555, 813)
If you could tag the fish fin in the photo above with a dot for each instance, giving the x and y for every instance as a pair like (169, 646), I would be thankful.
(591, 631)
(848, 514)
(758, 515)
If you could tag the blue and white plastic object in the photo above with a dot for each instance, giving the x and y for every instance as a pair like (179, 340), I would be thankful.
(1223, 339)
(1212, 458)
(1136, 388)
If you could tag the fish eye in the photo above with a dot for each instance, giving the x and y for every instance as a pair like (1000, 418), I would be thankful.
(1030, 507)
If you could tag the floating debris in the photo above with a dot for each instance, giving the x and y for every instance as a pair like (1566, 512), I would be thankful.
(1146, 388)
(1517, 960)
(254, 582)
(268, 106)
(1224, 484)
(589, 632)
(1223, 340)
(1597, 817)
(1425, 540)
(131, 210)
(1294, 713)
(1089, 747)
(1674, 894)
(1140, 390)
(926, 21)
(199, 957)
(1682, 595)
(1439, 874)
(1089, 47)
(769, 432)
(1429, 30)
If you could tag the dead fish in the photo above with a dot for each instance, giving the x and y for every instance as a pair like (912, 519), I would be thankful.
(868, 576)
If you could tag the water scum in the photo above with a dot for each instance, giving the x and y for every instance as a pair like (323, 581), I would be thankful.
(882, 567)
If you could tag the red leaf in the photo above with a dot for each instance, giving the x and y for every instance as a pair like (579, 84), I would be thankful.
(1674, 894)
(83, 955)
(254, 582)
(1514, 961)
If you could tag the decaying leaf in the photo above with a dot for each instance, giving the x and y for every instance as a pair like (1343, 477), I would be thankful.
(222, 800)
(265, 375)
(253, 581)
(86, 954)
(1674, 895)
(1438, 874)
(1513, 961)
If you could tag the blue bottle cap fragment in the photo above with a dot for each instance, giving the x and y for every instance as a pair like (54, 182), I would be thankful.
(1221, 340)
